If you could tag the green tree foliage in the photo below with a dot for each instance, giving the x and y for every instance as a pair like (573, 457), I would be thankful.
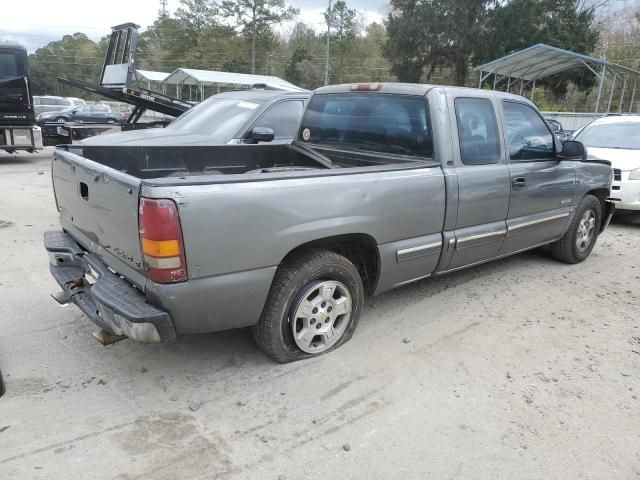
(72, 56)
(255, 17)
(421, 39)
(302, 71)
(522, 23)
(427, 34)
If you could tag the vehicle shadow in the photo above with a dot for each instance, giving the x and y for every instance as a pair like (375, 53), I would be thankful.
(22, 158)
(632, 219)
(235, 348)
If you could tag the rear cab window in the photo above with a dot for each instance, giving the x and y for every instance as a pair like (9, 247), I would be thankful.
(477, 131)
(375, 122)
(10, 65)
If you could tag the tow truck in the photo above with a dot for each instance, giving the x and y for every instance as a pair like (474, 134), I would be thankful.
(118, 82)
(18, 129)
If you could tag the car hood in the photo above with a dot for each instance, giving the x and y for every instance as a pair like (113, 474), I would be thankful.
(621, 158)
(153, 137)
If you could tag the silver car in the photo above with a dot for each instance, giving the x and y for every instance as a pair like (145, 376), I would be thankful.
(50, 103)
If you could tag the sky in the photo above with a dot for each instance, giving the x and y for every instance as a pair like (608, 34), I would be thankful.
(34, 23)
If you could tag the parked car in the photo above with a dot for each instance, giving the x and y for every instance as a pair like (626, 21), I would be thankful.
(77, 101)
(617, 140)
(49, 103)
(560, 133)
(385, 184)
(245, 116)
(83, 114)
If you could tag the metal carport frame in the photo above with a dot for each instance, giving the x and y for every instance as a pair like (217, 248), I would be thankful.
(534, 63)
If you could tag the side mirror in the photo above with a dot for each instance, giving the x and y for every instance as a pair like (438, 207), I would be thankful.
(572, 150)
(261, 134)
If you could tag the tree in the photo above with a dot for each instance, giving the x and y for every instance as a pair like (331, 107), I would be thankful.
(342, 21)
(255, 16)
(433, 33)
(196, 15)
(301, 70)
(236, 64)
(72, 56)
(522, 23)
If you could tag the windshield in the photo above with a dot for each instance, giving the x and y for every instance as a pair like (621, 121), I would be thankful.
(369, 121)
(9, 65)
(611, 135)
(220, 118)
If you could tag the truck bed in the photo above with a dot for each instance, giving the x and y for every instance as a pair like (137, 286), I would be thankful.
(154, 162)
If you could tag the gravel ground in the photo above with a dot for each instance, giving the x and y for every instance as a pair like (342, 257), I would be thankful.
(521, 368)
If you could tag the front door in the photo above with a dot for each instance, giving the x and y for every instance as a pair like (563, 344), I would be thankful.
(542, 187)
(483, 182)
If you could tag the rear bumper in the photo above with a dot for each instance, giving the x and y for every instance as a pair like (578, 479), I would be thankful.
(107, 299)
(20, 137)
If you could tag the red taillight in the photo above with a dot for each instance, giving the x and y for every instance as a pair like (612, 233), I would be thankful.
(366, 87)
(161, 241)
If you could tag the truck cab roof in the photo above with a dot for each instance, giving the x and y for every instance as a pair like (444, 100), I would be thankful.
(419, 89)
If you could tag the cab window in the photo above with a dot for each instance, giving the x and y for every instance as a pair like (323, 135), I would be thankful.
(477, 131)
(282, 118)
(528, 137)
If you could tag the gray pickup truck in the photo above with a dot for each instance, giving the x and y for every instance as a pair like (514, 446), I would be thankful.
(385, 184)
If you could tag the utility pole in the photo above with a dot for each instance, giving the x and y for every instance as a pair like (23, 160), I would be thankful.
(163, 9)
(329, 18)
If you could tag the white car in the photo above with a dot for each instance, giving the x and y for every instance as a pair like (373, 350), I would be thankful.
(617, 139)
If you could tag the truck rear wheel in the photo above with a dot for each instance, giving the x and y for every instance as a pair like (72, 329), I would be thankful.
(581, 236)
(313, 306)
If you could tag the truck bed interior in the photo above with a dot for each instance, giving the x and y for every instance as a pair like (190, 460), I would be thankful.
(150, 162)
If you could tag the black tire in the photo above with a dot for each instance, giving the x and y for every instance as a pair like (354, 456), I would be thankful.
(566, 249)
(273, 332)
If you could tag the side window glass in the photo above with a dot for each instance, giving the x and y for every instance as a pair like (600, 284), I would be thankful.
(477, 131)
(528, 137)
(283, 118)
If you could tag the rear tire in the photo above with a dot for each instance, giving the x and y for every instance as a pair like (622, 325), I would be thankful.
(313, 306)
(580, 238)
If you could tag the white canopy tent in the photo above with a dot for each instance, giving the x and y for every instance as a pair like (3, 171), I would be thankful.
(210, 78)
(539, 61)
(150, 77)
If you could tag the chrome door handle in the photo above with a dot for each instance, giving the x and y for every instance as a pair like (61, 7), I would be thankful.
(518, 183)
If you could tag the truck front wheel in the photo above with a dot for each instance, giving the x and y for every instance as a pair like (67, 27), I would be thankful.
(581, 236)
(313, 306)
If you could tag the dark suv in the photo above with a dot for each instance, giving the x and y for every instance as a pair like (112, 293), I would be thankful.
(83, 114)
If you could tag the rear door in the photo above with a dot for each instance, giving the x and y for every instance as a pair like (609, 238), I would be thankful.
(483, 180)
(542, 187)
(15, 100)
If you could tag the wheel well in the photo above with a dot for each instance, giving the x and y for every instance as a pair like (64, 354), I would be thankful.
(360, 249)
(602, 194)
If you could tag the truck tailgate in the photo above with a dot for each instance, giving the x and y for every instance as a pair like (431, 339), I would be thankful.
(99, 208)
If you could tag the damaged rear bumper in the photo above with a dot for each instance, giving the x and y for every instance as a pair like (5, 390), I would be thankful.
(109, 301)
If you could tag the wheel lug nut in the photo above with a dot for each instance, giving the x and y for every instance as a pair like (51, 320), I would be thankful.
(318, 326)
(329, 309)
(323, 304)
(313, 320)
(315, 310)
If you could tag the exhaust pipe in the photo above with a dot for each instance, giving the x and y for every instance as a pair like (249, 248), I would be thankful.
(62, 297)
(107, 338)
